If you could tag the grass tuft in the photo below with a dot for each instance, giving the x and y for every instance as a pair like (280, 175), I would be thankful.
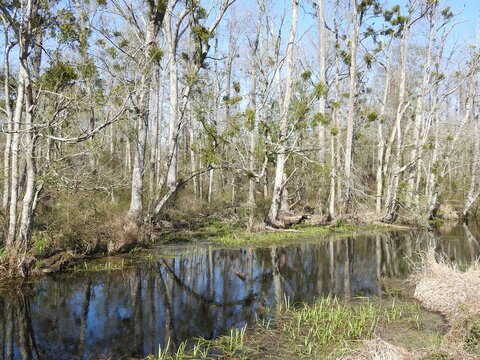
(302, 331)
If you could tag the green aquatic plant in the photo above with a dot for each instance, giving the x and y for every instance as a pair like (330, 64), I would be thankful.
(108, 266)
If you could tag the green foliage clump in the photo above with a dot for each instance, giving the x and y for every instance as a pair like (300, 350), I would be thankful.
(372, 116)
(155, 54)
(306, 75)
(59, 76)
(321, 118)
(320, 90)
(250, 119)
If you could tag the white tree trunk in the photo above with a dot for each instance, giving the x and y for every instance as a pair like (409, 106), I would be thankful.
(14, 172)
(334, 141)
(321, 74)
(381, 142)
(351, 105)
(273, 216)
(415, 157)
(474, 188)
(252, 136)
(138, 172)
(173, 117)
(390, 202)
(26, 222)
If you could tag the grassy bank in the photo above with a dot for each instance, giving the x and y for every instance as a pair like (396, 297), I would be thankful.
(328, 328)
(231, 234)
(54, 252)
(51, 254)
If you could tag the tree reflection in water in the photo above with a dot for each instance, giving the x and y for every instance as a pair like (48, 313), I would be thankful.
(134, 310)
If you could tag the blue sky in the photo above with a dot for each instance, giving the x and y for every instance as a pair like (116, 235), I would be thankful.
(469, 12)
(465, 32)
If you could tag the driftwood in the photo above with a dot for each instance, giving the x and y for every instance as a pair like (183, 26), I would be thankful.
(58, 262)
(291, 220)
(285, 221)
(273, 229)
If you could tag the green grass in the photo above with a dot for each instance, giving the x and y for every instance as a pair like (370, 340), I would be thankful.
(231, 346)
(108, 266)
(235, 234)
(200, 230)
(240, 238)
(303, 331)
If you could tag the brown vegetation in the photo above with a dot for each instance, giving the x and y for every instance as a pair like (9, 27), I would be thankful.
(442, 287)
(378, 349)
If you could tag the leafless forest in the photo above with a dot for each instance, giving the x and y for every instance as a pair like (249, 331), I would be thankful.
(121, 116)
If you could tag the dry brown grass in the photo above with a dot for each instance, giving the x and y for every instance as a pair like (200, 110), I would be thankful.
(124, 233)
(442, 287)
(378, 349)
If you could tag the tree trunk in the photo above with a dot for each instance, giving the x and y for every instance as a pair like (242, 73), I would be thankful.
(273, 216)
(31, 171)
(252, 118)
(321, 74)
(474, 189)
(154, 142)
(334, 140)
(381, 143)
(8, 108)
(15, 157)
(390, 202)
(351, 106)
(415, 157)
(138, 172)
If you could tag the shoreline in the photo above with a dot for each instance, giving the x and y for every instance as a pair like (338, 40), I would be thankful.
(215, 233)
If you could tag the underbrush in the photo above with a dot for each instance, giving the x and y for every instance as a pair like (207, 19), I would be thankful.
(84, 223)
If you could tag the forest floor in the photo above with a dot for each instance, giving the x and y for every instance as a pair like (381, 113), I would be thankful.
(394, 326)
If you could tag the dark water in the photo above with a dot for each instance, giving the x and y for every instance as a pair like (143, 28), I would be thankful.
(133, 311)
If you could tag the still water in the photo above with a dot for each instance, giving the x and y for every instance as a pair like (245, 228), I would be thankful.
(202, 292)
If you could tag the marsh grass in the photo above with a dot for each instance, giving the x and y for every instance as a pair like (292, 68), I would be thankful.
(299, 331)
(107, 266)
(226, 347)
(199, 230)
(282, 237)
(231, 234)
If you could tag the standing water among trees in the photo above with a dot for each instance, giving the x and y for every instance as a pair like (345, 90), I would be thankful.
(121, 118)
(129, 124)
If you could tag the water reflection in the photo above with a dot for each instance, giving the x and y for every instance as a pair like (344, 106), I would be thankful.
(133, 311)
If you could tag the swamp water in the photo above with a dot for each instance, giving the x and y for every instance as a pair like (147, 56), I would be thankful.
(199, 291)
